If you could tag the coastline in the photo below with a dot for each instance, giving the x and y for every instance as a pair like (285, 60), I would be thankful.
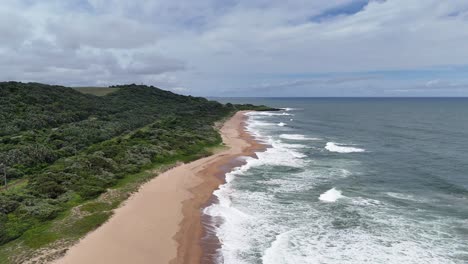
(193, 227)
(162, 222)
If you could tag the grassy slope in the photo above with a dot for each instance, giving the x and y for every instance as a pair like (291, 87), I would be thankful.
(98, 91)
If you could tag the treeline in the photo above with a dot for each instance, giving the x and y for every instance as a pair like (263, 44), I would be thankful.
(42, 123)
(251, 107)
(69, 146)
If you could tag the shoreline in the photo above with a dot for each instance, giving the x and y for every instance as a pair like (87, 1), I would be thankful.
(198, 244)
(162, 222)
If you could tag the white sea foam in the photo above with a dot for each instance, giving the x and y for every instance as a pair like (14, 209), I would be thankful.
(281, 124)
(254, 126)
(280, 154)
(296, 137)
(276, 252)
(408, 197)
(267, 216)
(331, 195)
(269, 114)
(291, 109)
(236, 217)
(263, 123)
(340, 148)
(365, 202)
(344, 172)
(294, 146)
(300, 184)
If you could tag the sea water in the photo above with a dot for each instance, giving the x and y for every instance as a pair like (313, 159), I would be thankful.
(349, 181)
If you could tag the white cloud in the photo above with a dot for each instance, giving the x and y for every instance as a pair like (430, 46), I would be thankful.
(218, 47)
(432, 83)
(102, 32)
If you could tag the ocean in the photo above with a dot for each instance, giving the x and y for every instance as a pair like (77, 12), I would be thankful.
(349, 180)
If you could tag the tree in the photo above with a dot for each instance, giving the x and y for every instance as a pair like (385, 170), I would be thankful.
(4, 175)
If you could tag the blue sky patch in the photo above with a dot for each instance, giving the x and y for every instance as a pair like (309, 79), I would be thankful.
(343, 10)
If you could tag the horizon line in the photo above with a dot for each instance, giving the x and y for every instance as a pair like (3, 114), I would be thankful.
(312, 97)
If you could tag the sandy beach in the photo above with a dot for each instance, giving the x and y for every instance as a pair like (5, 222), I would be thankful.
(161, 223)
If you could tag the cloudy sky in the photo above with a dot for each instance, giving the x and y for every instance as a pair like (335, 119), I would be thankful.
(241, 48)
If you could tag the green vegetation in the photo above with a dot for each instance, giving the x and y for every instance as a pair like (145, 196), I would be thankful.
(98, 91)
(240, 107)
(70, 157)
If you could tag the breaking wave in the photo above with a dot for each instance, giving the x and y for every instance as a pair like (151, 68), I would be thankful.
(296, 137)
(340, 148)
(331, 195)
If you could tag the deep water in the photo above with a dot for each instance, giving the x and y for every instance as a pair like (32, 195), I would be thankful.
(350, 181)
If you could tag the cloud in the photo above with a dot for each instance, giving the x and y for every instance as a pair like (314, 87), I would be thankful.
(180, 90)
(74, 43)
(103, 32)
(13, 35)
(151, 64)
(291, 84)
(229, 47)
(432, 83)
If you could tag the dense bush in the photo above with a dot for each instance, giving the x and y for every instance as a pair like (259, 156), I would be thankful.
(37, 106)
(251, 107)
(67, 144)
(57, 121)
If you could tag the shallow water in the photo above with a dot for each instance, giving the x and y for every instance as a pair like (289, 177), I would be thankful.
(350, 181)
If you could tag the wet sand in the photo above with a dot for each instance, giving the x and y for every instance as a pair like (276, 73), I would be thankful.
(162, 222)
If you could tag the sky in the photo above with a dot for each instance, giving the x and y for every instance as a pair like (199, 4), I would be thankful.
(241, 48)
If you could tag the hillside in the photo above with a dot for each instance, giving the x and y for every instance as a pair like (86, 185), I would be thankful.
(42, 123)
(98, 91)
(62, 148)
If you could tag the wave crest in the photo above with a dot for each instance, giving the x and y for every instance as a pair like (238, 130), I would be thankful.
(335, 147)
(331, 195)
(296, 137)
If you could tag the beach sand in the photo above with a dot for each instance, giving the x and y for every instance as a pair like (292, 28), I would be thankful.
(161, 223)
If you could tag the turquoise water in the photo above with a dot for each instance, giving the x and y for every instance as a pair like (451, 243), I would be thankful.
(350, 181)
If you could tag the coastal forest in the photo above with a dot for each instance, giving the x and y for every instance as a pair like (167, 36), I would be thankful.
(60, 148)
